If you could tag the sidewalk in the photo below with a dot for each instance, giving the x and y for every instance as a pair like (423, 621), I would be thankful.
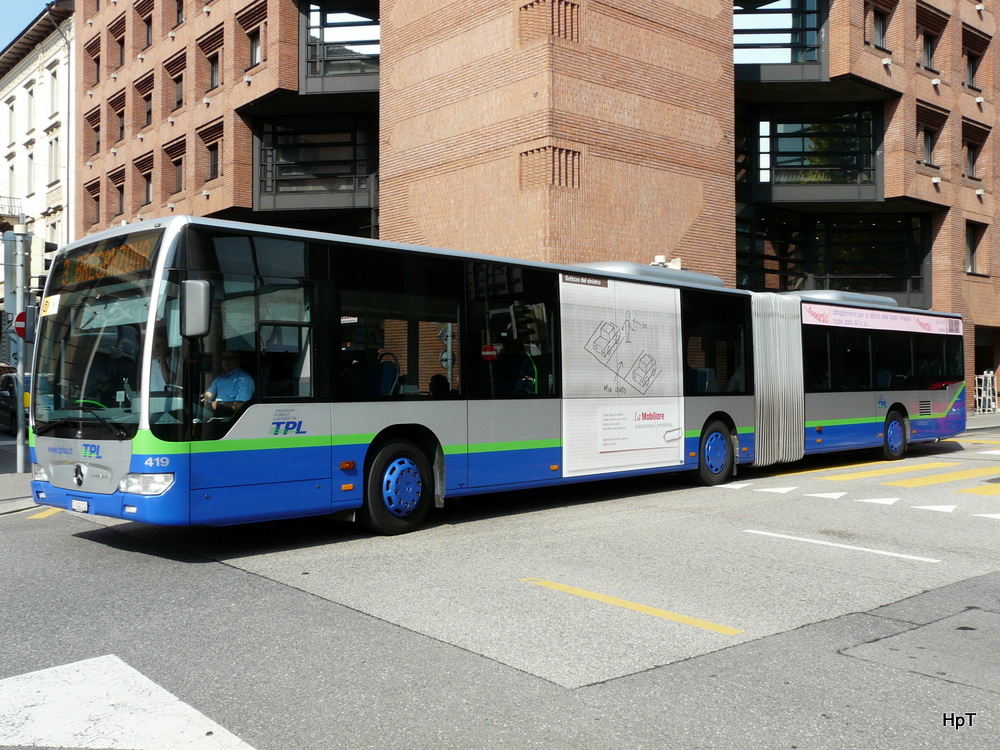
(15, 489)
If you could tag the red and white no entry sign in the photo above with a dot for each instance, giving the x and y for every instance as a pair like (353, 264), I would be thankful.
(19, 323)
(489, 352)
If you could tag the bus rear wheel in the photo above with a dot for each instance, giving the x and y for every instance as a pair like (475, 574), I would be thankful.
(894, 436)
(715, 454)
(399, 489)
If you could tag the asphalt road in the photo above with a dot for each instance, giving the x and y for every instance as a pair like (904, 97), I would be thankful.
(842, 602)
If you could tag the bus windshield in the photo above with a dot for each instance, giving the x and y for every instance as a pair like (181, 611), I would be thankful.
(88, 358)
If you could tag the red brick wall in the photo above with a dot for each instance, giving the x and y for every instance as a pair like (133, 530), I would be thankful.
(558, 131)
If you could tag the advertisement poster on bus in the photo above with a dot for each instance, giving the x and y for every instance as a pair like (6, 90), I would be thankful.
(622, 407)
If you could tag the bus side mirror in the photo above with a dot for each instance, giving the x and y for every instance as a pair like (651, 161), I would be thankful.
(196, 308)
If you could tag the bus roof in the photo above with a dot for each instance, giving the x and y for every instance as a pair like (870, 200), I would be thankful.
(615, 269)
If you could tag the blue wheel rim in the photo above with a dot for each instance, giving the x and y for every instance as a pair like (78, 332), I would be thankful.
(402, 487)
(894, 436)
(716, 452)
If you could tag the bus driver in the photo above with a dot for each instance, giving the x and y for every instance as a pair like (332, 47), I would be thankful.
(231, 389)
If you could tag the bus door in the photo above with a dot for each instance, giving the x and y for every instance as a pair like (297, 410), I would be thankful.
(514, 409)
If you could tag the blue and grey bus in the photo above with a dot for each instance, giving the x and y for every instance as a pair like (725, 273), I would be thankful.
(382, 379)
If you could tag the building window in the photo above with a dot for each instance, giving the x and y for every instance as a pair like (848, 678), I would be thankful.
(972, 151)
(11, 130)
(930, 139)
(213, 71)
(973, 239)
(178, 12)
(96, 68)
(930, 43)
(120, 123)
(837, 150)
(147, 32)
(776, 32)
(120, 47)
(974, 47)
(54, 159)
(178, 91)
(253, 37)
(214, 168)
(147, 188)
(147, 109)
(931, 25)
(178, 165)
(343, 43)
(30, 174)
(29, 108)
(119, 199)
(54, 89)
(880, 28)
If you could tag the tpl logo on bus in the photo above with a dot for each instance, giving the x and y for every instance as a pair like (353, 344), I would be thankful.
(90, 450)
(287, 428)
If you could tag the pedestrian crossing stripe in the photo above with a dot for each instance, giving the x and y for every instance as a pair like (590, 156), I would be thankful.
(894, 470)
(986, 490)
(951, 476)
(46, 513)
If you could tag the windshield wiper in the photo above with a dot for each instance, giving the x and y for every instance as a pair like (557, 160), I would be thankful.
(42, 429)
(118, 431)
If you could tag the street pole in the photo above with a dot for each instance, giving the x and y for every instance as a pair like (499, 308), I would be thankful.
(21, 236)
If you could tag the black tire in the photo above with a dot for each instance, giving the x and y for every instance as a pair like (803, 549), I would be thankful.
(399, 489)
(715, 454)
(894, 436)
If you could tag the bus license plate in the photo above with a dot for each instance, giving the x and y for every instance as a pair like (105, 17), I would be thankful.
(80, 506)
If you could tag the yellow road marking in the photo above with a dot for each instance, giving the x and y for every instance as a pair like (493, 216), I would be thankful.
(969, 440)
(990, 489)
(894, 470)
(684, 619)
(950, 476)
(828, 468)
(46, 513)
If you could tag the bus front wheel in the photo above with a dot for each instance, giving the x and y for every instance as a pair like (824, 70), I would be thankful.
(715, 454)
(894, 436)
(399, 489)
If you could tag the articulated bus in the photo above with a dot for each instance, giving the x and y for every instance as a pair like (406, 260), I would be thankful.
(381, 379)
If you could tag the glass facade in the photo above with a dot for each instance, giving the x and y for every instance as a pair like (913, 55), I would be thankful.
(876, 253)
(838, 150)
(314, 155)
(343, 38)
(779, 32)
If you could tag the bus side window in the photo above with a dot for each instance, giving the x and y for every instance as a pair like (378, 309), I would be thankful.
(511, 331)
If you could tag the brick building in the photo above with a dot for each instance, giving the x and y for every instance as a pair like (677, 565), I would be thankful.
(858, 154)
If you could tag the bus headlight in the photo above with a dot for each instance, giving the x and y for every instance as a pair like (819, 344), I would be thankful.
(38, 473)
(146, 484)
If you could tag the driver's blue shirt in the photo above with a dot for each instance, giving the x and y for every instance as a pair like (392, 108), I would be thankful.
(235, 385)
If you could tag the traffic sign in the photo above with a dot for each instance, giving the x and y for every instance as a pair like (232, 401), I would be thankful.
(19, 323)
(489, 352)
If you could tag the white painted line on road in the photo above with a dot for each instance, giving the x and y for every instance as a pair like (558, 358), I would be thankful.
(841, 546)
(782, 490)
(828, 495)
(987, 515)
(879, 500)
(733, 485)
(938, 508)
(102, 703)
(988, 453)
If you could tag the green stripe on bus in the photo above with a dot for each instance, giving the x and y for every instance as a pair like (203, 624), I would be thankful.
(843, 422)
(514, 445)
